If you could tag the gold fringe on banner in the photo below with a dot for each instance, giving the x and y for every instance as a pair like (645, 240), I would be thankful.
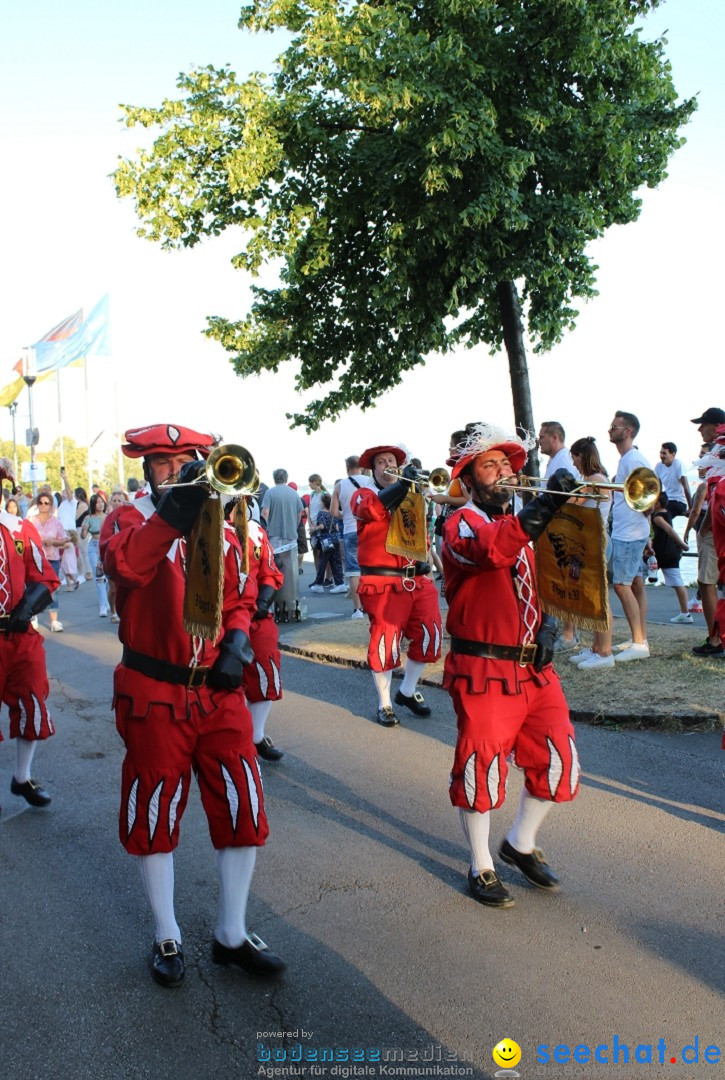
(204, 590)
(571, 569)
(407, 535)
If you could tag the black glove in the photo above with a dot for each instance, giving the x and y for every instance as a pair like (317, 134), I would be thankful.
(265, 599)
(537, 514)
(545, 639)
(391, 497)
(180, 506)
(234, 652)
(36, 598)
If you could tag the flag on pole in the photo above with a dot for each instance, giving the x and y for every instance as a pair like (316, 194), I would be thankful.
(91, 338)
(13, 382)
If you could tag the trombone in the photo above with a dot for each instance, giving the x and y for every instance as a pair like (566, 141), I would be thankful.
(641, 488)
(433, 483)
(229, 469)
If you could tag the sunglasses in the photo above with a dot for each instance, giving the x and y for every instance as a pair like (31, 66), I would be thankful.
(43, 502)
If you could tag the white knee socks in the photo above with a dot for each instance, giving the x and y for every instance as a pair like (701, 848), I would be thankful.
(157, 875)
(475, 829)
(382, 680)
(260, 712)
(529, 816)
(413, 671)
(24, 751)
(235, 866)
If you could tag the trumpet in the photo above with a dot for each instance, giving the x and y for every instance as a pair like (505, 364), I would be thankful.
(434, 483)
(229, 469)
(641, 488)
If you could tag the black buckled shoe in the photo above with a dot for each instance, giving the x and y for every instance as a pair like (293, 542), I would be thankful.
(386, 716)
(167, 963)
(533, 866)
(488, 890)
(31, 791)
(253, 956)
(415, 703)
(267, 750)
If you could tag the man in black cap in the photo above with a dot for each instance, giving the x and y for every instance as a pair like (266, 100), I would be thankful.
(708, 423)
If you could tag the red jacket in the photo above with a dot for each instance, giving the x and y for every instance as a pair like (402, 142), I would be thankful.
(479, 559)
(22, 561)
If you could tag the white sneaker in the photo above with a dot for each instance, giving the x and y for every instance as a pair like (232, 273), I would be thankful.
(634, 652)
(34, 622)
(316, 588)
(358, 613)
(596, 661)
(56, 627)
(695, 605)
(683, 617)
(103, 614)
(583, 655)
(339, 589)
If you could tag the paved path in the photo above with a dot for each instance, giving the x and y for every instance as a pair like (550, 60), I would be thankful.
(362, 889)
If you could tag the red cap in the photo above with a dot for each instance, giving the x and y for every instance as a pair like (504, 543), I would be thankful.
(368, 457)
(167, 438)
(513, 451)
(6, 469)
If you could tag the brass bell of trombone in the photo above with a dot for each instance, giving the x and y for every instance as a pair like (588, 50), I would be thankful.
(435, 482)
(439, 480)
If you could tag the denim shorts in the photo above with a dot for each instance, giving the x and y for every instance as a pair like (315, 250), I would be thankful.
(626, 561)
(352, 567)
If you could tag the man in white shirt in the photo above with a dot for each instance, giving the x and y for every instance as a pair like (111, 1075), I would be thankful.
(340, 508)
(552, 443)
(630, 533)
(674, 482)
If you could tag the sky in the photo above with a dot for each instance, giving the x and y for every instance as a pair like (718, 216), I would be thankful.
(650, 343)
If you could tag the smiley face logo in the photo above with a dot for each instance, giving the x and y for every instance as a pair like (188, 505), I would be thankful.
(506, 1053)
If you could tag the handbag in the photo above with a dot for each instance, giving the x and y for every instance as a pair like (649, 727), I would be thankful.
(327, 543)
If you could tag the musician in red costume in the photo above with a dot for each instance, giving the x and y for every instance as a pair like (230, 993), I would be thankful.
(179, 701)
(505, 691)
(262, 678)
(27, 584)
(714, 521)
(395, 591)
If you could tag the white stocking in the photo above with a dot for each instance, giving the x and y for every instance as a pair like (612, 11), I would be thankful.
(157, 875)
(235, 866)
(260, 712)
(382, 680)
(24, 750)
(475, 829)
(529, 816)
(413, 671)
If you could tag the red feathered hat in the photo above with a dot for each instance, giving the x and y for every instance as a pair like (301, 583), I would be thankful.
(368, 457)
(6, 469)
(167, 439)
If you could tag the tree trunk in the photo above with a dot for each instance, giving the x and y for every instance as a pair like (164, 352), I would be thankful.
(513, 336)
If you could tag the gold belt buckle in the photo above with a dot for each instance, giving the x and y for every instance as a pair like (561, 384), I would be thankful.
(527, 655)
(409, 578)
(195, 670)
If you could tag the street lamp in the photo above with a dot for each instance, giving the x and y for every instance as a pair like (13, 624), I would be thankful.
(13, 407)
(30, 374)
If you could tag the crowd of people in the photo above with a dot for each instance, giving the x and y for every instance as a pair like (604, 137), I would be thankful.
(198, 585)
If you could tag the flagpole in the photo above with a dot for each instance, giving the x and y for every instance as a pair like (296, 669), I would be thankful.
(88, 425)
(60, 423)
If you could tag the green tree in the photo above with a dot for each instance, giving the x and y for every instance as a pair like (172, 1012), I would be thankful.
(418, 171)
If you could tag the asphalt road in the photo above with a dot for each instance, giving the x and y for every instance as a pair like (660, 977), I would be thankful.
(362, 889)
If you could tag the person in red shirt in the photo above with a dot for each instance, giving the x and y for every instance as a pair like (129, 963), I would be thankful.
(262, 678)
(396, 593)
(179, 701)
(506, 694)
(27, 584)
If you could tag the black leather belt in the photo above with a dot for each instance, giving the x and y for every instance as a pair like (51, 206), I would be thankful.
(419, 570)
(191, 677)
(4, 621)
(522, 654)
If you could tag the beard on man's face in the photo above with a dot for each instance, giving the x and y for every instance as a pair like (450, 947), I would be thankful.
(487, 493)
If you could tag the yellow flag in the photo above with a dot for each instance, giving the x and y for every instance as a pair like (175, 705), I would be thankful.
(571, 572)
